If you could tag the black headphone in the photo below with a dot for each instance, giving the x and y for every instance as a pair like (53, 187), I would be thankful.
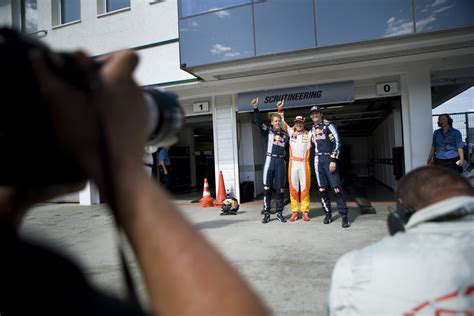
(450, 120)
(398, 218)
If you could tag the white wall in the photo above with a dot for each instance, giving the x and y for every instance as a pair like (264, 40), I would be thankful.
(5, 13)
(159, 64)
(383, 142)
(246, 157)
(143, 24)
(416, 115)
(251, 151)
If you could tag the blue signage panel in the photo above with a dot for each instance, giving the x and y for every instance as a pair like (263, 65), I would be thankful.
(328, 93)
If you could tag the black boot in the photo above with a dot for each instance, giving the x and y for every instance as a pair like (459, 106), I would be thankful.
(266, 218)
(327, 218)
(345, 221)
(281, 218)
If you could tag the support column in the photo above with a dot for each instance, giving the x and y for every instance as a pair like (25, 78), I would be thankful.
(225, 143)
(416, 116)
(89, 195)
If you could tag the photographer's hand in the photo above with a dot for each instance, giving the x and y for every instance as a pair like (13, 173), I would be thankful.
(118, 104)
(184, 275)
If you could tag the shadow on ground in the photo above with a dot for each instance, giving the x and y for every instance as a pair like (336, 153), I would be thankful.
(216, 224)
(318, 213)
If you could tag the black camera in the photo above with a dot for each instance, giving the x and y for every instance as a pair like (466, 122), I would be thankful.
(30, 154)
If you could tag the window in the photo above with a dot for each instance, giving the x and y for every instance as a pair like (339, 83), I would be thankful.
(342, 21)
(66, 11)
(70, 11)
(113, 5)
(29, 16)
(282, 26)
(218, 36)
(434, 15)
(193, 7)
(105, 6)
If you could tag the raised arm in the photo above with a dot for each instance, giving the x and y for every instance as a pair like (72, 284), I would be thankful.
(258, 118)
(285, 125)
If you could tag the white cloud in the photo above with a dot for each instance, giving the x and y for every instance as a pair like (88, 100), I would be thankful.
(424, 24)
(438, 2)
(442, 9)
(222, 14)
(398, 27)
(220, 49)
(194, 24)
(401, 26)
(232, 54)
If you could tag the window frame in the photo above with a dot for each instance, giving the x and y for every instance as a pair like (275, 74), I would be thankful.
(102, 8)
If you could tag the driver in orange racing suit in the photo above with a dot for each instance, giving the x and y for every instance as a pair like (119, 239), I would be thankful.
(299, 172)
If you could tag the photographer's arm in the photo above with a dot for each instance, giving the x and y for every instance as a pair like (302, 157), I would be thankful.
(183, 273)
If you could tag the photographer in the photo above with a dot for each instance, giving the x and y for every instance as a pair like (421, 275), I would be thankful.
(183, 274)
(427, 266)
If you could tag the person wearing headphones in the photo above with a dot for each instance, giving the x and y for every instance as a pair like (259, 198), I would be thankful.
(447, 149)
(427, 266)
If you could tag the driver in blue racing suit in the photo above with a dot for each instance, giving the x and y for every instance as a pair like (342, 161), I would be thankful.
(326, 153)
(274, 171)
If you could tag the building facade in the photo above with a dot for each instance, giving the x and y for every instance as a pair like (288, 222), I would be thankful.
(376, 67)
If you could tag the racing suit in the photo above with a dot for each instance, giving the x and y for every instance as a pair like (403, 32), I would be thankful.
(299, 173)
(427, 270)
(274, 170)
(326, 148)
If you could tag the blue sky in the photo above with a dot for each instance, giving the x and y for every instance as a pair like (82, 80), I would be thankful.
(463, 102)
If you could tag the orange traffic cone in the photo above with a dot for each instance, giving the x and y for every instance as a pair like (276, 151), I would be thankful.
(206, 200)
(221, 191)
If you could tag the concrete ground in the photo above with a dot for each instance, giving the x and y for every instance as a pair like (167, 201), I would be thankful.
(288, 264)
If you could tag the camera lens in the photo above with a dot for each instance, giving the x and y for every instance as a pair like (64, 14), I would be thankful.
(165, 117)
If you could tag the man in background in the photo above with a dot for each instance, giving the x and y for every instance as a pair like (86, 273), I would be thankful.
(165, 167)
(447, 149)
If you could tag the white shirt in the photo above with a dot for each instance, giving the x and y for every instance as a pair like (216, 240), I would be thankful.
(427, 269)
